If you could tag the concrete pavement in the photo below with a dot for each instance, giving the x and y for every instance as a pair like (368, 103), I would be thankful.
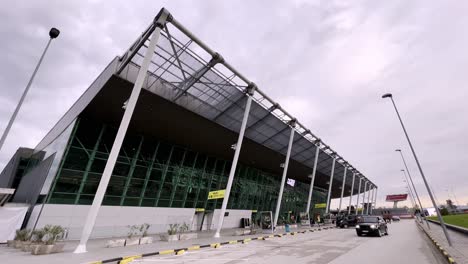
(406, 244)
(459, 249)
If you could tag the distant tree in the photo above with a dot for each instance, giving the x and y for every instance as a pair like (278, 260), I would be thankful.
(444, 211)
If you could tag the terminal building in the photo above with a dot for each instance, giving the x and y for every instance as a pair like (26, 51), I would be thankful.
(179, 146)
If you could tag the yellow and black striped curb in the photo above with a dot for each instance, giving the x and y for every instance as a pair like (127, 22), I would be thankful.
(438, 246)
(180, 251)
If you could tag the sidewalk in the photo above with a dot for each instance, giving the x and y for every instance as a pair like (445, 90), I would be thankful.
(459, 249)
(97, 250)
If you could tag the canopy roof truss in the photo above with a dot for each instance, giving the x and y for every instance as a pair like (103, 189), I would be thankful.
(187, 72)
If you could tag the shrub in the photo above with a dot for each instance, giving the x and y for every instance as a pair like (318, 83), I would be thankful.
(38, 235)
(134, 230)
(184, 228)
(23, 235)
(172, 229)
(52, 233)
(144, 229)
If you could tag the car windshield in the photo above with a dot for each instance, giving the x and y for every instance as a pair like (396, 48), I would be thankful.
(369, 219)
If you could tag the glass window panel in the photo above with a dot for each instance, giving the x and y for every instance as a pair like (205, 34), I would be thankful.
(134, 188)
(189, 158)
(121, 169)
(152, 189)
(62, 198)
(156, 175)
(163, 152)
(85, 199)
(166, 191)
(140, 172)
(163, 203)
(91, 184)
(98, 165)
(177, 155)
(177, 203)
(69, 181)
(111, 200)
(148, 202)
(76, 159)
(131, 202)
(116, 186)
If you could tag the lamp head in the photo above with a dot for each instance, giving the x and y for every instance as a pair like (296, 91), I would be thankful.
(387, 95)
(54, 33)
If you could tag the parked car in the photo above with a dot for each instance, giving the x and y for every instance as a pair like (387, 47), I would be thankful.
(371, 225)
(347, 221)
(395, 218)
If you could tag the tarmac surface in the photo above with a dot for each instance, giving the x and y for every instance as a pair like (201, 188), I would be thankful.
(405, 244)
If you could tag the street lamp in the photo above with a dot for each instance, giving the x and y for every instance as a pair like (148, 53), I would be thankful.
(53, 33)
(441, 220)
(414, 187)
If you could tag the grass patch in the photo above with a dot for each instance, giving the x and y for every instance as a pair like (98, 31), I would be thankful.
(458, 220)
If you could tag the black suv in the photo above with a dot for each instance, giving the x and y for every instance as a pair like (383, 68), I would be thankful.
(347, 221)
(371, 225)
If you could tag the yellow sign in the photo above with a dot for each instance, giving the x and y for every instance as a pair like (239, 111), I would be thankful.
(320, 205)
(199, 209)
(254, 211)
(216, 194)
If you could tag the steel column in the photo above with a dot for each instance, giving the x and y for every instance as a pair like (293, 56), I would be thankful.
(368, 199)
(312, 180)
(106, 175)
(375, 198)
(351, 196)
(250, 91)
(342, 187)
(327, 209)
(285, 171)
(359, 193)
(364, 197)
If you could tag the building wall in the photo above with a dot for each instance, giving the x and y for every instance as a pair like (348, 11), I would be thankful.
(153, 173)
(113, 221)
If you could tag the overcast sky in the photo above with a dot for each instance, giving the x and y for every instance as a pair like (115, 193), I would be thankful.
(326, 62)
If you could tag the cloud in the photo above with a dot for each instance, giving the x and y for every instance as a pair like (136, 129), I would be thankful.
(326, 62)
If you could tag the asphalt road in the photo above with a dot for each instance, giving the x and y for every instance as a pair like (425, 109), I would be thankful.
(405, 244)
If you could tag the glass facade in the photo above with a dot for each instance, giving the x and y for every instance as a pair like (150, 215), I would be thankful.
(154, 173)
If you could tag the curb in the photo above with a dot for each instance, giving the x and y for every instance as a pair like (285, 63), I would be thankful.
(180, 251)
(458, 229)
(449, 259)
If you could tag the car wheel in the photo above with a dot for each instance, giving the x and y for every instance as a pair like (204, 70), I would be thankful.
(359, 233)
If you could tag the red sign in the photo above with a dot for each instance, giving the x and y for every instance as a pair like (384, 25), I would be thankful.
(396, 197)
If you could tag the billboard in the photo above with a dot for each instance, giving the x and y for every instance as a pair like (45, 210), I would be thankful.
(396, 197)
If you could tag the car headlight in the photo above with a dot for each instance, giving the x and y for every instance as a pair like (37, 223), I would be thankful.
(357, 226)
(372, 226)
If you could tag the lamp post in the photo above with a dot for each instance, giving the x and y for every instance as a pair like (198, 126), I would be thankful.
(441, 220)
(409, 188)
(414, 187)
(53, 33)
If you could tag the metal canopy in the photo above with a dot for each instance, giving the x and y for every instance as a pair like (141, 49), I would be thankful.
(187, 72)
